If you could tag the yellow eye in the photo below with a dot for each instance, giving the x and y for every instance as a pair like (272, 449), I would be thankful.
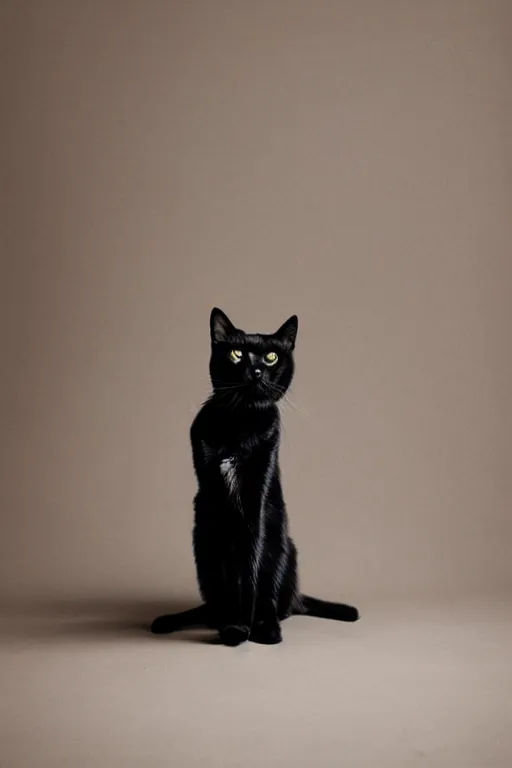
(235, 355)
(271, 358)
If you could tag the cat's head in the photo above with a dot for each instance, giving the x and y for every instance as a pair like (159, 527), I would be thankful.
(250, 368)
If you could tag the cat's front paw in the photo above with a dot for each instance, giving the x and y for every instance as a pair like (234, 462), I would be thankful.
(266, 633)
(233, 635)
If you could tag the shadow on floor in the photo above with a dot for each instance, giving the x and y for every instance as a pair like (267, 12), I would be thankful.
(82, 619)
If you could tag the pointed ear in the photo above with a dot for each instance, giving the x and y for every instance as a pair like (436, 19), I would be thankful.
(220, 326)
(288, 331)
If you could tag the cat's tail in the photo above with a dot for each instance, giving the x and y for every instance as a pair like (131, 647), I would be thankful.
(323, 609)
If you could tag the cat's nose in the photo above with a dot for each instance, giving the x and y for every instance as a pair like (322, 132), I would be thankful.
(257, 373)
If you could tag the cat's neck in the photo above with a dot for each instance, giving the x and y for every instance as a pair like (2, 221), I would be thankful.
(251, 413)
(221, 403)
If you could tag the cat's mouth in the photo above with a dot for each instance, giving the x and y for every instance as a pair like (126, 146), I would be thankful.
(262, 391)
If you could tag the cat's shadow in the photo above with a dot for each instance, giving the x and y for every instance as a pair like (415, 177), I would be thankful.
(92, 619)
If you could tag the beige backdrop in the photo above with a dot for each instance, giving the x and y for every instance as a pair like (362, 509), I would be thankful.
(348, 161)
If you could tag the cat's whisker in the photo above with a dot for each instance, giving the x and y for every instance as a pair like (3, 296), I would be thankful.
(231, 386)
(290, 402)
(236, 401)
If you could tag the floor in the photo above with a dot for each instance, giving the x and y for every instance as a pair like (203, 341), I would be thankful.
(84, 685)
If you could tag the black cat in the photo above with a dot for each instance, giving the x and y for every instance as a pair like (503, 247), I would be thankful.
(246, 561)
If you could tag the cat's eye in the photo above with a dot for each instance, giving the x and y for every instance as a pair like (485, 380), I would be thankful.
(271, 358)
(235, 355)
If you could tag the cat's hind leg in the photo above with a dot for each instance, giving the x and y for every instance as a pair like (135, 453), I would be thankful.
(173, 622)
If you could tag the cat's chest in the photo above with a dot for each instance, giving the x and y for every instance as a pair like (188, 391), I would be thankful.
(237, 451)
(230, 472)
(237, 464)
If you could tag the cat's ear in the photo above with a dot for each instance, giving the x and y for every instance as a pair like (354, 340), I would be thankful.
(288, 332)
(221, 326)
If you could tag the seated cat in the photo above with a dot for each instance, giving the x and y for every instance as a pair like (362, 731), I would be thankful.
(245, 559)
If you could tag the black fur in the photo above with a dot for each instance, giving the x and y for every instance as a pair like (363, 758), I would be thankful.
(245, 559)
